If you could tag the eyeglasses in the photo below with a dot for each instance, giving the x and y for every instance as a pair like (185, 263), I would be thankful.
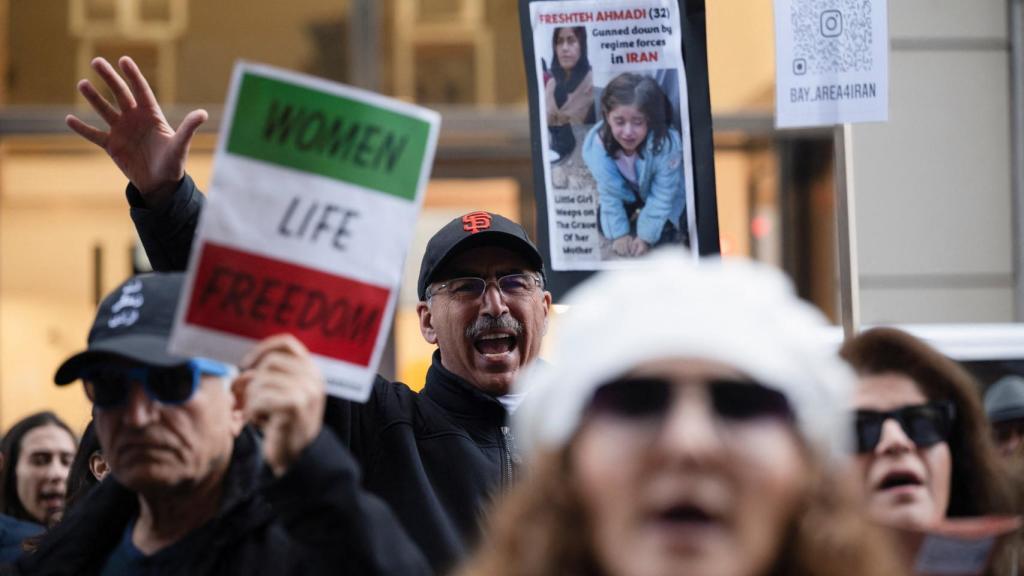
(650, 398)
(108, 385)
(925, 424)
(471, 287)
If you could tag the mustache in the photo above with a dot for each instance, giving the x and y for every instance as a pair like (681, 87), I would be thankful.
(486, 324)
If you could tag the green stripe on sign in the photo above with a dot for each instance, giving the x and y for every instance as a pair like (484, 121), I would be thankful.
(327, 134)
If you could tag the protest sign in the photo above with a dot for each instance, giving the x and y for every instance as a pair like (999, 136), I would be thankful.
(315, 190)
(831, 62)
(612, 108)
(832, 68)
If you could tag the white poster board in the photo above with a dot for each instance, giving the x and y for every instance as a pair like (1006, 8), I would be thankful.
(315, 191)
(831, 62)
(617, 184)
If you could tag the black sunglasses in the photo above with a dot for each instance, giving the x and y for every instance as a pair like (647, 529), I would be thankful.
(642, 398)
(925, 424)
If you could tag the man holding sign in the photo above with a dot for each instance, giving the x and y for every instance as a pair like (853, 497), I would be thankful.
(193, 490)
(436, 457)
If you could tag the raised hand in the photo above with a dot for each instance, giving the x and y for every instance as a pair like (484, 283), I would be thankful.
(139, 140)
(282, 392)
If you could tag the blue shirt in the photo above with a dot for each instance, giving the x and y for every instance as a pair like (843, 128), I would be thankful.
(659, 179)
(127, 560)
(12, 533)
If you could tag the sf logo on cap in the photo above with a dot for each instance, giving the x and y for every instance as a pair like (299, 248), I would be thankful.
(476, 221)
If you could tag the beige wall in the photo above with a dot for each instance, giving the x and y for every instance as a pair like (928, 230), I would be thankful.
(52, 216)
(59, 199)
(276, 33)
(39, 41)
(733, 174)
(305, 35)
(933, 184)
(741, 55)
(4, 48)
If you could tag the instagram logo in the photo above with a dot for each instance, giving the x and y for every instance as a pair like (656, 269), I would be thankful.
(831, 23)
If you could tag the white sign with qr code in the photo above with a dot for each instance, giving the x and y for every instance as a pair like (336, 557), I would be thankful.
(831, 62)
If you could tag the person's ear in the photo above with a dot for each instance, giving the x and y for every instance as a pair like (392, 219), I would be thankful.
(547, 311)
(237, 415)
(98, 466)
(426, 322)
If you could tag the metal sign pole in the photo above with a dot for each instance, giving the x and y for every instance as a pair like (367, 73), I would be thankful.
(846, 230)
(1016, 17)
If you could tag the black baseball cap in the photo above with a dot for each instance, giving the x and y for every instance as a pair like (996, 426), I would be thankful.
(133, 322)
(471, 231)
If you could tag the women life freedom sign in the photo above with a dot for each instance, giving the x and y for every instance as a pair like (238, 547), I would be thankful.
(614, 130)
(315, 191)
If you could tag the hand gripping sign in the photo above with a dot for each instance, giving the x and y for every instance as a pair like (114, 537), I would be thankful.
(315, 190)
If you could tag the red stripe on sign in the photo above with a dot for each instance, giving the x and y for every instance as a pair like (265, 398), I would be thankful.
(255, 297)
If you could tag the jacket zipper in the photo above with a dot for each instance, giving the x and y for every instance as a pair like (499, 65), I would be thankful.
(508, 456)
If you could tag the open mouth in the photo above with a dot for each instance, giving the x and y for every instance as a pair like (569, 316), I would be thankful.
(895, 480)
(495, 343)
(687, 515)
(52, 500)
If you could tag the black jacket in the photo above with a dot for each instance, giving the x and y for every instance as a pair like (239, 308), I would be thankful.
(436, 457)
(313, 520)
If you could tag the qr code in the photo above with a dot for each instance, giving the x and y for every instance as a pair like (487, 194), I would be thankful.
(831, 36)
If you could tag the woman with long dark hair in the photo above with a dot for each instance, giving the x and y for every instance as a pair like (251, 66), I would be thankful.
(569, 94)
(37, 454)
(691, 421)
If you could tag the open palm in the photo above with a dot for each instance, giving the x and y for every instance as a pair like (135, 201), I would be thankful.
(139, 140)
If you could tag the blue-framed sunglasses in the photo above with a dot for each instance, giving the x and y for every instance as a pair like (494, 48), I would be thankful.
(108, 385)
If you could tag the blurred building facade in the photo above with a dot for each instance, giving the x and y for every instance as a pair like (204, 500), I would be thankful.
(934, 184)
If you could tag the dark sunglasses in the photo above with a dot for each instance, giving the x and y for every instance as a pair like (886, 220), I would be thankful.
(108, 385)
(925, 424)
(643, 398)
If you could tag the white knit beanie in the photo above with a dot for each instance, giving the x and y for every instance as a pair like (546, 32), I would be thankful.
(739, 313)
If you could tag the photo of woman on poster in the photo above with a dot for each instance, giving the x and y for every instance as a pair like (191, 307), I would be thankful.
(570, 91)
(635, 155)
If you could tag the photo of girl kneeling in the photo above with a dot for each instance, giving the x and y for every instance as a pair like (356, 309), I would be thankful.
(636, 156)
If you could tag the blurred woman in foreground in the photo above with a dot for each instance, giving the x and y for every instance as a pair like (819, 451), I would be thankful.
(691, 422)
